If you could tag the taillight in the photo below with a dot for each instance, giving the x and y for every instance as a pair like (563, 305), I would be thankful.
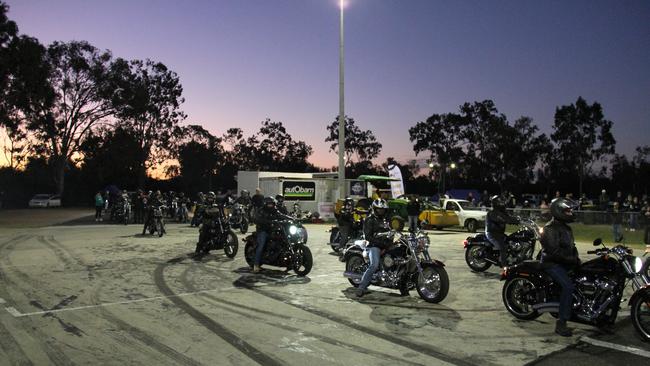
(465, 243)
(504, 273)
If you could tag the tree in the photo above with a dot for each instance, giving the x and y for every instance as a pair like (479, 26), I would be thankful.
(200, 156)
(582, 136)
(148, 106)
(363, 144)
(76, 102)
(442, 136)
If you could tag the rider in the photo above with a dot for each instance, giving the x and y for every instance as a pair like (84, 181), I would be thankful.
(280, 205)
(155, 199)
(263, 220)
(560, 254)
(345, 220)
(495, 227)
(374, 225)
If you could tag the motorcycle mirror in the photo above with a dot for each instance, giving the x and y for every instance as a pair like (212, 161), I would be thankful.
(598, 242)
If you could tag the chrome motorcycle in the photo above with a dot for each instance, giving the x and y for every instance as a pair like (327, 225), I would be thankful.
(238, 218)
(481, 254)
(405, 266)
(529, 291)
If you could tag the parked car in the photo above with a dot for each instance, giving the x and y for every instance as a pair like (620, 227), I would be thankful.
(45, 200)
(454, 212)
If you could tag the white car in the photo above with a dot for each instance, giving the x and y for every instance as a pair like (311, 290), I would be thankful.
(45, 200)
(469, 216)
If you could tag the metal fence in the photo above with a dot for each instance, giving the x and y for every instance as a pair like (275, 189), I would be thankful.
(630, 220)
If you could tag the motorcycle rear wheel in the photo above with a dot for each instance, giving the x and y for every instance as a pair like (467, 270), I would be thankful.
(433, 283)
(231, 246)
(303, 261)
(640, 314)
(159, 228)
(473, 260)
(357, 265)
(514, 294)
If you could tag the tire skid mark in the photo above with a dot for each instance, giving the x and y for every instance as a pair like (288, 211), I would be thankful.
(322, 338)
(414, 346)
(10, 347)
(216, 328)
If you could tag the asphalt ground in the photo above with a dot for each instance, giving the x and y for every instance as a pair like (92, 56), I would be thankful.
(78, 292)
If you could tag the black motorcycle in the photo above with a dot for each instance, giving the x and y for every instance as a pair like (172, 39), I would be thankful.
(481, 254)
(155, 222)
(599, 283)
(405, 266)
(286, 246)
(355, 233)
(238, 218)
(122, 212)
(215, 233)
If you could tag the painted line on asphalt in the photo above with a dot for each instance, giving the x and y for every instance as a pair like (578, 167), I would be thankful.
(17, 314)
(617, 347)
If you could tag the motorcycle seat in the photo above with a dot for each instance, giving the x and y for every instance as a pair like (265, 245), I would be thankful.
(533, 266)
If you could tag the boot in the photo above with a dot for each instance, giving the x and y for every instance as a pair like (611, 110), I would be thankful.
(257, 269)
(561, 329)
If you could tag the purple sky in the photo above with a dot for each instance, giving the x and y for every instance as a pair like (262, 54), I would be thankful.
(241, 61)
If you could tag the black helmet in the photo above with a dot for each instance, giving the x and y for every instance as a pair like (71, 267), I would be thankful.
(497, 203)
(379, 207)
(562, 209)
(279, 198)
(269, 203)
(244, 192)
(348, 202)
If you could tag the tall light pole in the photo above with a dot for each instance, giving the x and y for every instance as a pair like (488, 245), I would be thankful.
(341, 112)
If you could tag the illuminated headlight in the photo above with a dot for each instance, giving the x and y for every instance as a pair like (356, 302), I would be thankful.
(638, 264)
(293, 230)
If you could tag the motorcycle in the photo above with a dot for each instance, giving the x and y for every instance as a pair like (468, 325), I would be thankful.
(238, 218)
(481, 254)
(405, 266)
(302, 216)
(215, 233)
(599, 284)
(155, 223)
(182, 214)
(286, 247)
(124, 213)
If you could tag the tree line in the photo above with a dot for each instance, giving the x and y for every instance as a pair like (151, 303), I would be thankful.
(75, 119)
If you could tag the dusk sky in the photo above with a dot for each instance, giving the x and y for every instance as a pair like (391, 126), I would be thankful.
(241, 61)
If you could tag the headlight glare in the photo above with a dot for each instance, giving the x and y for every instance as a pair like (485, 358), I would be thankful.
(293, 229)
(638, 264)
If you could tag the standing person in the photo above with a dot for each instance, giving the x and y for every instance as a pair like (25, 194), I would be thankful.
(559, 253)
(374, 225)
(544, 210)
(646, 223)
(617, 222)
(99, 206)
(635, 210)
(485, 199)
(470, 198)
(413, 211)
(138, 207)
(257, 201)
(345, 220)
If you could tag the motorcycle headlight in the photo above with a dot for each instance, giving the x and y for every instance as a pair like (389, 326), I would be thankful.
(638, 264)
(293, 230)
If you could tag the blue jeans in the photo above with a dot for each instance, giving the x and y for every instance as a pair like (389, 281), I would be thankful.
(560, 275)
(261, 242)
(413, 223)
(375, 255)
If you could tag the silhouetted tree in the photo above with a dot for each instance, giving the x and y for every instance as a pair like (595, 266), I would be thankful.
(582, 136)
(148, 106)
(363, 144)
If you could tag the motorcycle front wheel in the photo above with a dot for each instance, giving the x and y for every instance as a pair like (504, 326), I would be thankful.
(517, 295)
(475, 259)
(433, 283)
(335, 238)
(243, 228)
(159, 228)
(356, 265)
(231, 245)
(640, 314)
(249, 250)
(303, 261)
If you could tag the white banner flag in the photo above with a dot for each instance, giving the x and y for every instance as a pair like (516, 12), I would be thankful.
(396, 187)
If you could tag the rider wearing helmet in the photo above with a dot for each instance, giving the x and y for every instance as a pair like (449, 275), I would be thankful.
(280, 205)
(373, 227)
(495, 227)
(559, 253)
(263, 220)
(345, 219)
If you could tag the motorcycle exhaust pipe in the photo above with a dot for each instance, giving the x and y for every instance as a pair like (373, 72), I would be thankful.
(547, 307)
(352, 275)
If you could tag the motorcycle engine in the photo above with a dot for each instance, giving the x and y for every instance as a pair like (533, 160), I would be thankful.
(388, 261)
(596, 294)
